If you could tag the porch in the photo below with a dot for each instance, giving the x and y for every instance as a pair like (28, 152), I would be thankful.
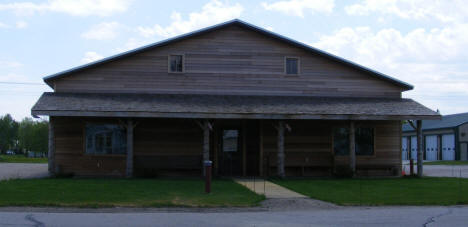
(242, 135)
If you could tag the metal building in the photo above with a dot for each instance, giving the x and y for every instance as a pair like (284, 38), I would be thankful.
(445, 139)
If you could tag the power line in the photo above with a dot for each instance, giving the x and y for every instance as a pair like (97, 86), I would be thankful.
(21, 83)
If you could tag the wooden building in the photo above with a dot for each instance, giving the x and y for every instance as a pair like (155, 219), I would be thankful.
(445, 139)
(254, 102)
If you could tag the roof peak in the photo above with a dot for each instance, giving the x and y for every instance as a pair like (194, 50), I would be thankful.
(263, 31)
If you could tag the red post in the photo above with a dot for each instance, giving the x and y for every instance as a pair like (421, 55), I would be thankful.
(207, 165)
(411, 165)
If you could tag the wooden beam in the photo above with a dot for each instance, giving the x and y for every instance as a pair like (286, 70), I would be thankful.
(51, 152)
(215, 151)
(206, 143)
(244, 148)
(260, 156)
(129, 169)
(352, 147)
(280, 158)
(273, 116)
(419, 147)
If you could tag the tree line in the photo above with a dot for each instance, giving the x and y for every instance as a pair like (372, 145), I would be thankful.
(23, 136)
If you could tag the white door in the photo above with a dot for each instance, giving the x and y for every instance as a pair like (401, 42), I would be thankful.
(404, 148)
(448, 147)
(414, 148)
(431, 148)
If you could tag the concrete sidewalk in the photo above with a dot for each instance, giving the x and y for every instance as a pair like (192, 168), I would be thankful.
(269, 189)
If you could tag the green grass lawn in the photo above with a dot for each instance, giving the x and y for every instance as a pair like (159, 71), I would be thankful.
(21, 159)
(392, 191)
(446, 163)
(124, 192)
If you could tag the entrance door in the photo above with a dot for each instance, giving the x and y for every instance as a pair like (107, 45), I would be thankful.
(230, 153)
(448, 147)
(431, 148)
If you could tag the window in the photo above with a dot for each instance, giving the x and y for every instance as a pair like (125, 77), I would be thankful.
(341, 141)
(176, 63)
(292, 66)
(364, 141)
(230, 140)
(105, 139)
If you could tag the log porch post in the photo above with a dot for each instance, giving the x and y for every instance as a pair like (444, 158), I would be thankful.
(129, 170)
(244, 148)
(51, 150)
(352, 147)
(261, 167)
(419, 147)
(280, 159)
(206, 143)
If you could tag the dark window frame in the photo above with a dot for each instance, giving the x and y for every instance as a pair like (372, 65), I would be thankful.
(169, 68)
(298, 65)
(123, 145)
(356, 142)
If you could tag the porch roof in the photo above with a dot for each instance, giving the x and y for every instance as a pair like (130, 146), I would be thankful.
(228, 106)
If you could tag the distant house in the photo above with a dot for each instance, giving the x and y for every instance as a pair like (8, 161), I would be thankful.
(445, 139)
(254, 102)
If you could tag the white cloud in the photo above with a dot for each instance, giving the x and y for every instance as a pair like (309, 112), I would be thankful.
(91, 56)
(2, 25)
(102, 31)
(432, 60)
(443, 11)
(21, 24)
(10, 64)
(213, 12)
(297, 7)
(72, 7)
(133, 43)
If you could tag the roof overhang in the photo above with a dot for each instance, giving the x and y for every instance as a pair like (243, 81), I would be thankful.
(229, 107)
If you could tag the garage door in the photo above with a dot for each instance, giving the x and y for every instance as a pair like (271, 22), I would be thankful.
(414, 148)
(431, 148)
(448, 147)
(404, 148)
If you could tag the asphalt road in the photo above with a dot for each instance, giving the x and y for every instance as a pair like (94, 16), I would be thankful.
(349, 216)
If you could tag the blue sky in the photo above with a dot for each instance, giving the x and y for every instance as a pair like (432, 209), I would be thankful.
(421, 42)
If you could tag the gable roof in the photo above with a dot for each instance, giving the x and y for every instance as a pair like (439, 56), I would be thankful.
(447, 121)
(243, 24)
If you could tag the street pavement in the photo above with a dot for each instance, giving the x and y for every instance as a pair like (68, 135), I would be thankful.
(348, 216)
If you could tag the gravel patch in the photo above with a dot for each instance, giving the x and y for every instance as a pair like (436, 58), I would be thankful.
(22, 170)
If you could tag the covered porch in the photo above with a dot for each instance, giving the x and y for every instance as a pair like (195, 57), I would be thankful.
(242, 135)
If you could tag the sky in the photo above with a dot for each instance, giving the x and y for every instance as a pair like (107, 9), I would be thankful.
(422, 42)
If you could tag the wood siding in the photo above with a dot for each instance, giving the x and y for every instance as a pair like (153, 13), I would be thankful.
(174, 147)
(70, 157)
(168, 147)
(232, 60)
(309, 148)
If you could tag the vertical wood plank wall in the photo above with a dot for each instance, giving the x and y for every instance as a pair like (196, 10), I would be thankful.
(228, 61)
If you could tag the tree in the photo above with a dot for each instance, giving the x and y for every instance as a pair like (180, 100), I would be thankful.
(8, 133)
(33, 135)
